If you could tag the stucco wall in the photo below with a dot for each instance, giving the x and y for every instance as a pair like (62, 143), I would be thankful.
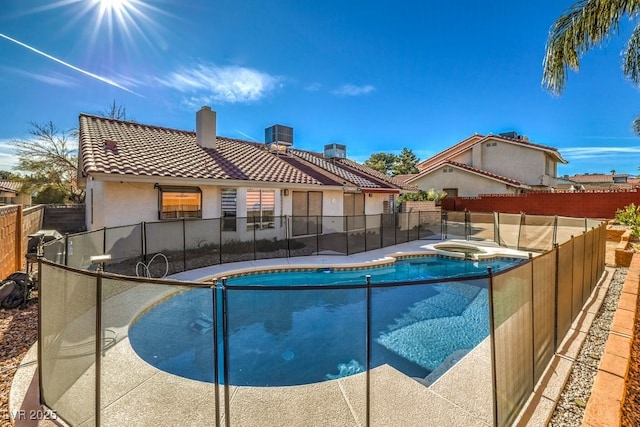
(524, 164)
(111, 204)
(467, 184)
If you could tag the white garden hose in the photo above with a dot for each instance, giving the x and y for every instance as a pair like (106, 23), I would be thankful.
(145, 267)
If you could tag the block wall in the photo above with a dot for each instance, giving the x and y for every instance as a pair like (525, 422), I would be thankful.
(578, 204)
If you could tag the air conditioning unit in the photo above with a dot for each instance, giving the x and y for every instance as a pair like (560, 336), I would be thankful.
(278, 137)
(335, 151)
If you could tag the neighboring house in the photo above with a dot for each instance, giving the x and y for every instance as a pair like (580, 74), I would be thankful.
(601, 181)
(495, 164)
(11, 194)
(136, 173)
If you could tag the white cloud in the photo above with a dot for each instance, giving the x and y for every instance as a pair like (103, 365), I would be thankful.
(8, 158)
(313, 87)
(205, 84)
(579, 153)
(353, 90)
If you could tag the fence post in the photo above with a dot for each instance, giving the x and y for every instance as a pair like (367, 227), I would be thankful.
(254, 235)
(184, 246)
(66, 248)
(555, 311)
(98, 347)
(382, 230)
(225, 351)
(520, 230)
(368, 350)
(143, 243)
(346, 232)
(286, 235)
(443, 224)
(220, 225)
(492, 335)
(216, 355)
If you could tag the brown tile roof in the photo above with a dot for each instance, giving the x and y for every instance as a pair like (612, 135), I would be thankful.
(485, 173)
(335, 169)
(494, 176)
(374, 174)
(479, 139)
(11, 185)
(592, 177)
(128, 148)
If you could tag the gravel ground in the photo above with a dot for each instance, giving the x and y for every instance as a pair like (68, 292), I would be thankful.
(573, 400)
(18, 332)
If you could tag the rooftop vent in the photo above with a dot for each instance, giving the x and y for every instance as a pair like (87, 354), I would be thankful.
(335, 151)
(278, 137)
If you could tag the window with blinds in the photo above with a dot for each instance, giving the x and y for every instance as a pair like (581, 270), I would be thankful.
(229, 211)
(179, 202)
(261, 206)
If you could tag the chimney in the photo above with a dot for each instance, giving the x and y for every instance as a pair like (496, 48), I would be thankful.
(206, 127)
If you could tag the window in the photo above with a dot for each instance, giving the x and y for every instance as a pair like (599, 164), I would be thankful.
(451, 192)
(260, 207)
(228, 197)
(179, 202)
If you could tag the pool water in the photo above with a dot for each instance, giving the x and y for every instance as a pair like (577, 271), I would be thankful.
(403, 270)
(280, 337)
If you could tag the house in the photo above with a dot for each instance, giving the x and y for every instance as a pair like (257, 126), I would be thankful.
(507, 163)
(11, 194)
(601, 181)
(134, 173)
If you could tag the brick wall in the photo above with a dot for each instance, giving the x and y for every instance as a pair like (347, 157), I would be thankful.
(418, 206)
(578, 204)
(65, 219)
(10, 230)
(15, 226)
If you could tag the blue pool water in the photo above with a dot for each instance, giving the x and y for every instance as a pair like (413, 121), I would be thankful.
(285, 337)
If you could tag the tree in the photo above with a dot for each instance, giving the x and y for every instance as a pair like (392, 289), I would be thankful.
(118, 112)
(382, 162)
(9, 176)
(50, 155)
(51, 159)
(583, 26)
(405, 163)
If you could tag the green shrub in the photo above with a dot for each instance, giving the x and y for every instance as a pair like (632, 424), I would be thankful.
(432, 196)
(630, 215)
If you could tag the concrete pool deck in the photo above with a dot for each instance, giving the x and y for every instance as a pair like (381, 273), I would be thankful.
(395, 398)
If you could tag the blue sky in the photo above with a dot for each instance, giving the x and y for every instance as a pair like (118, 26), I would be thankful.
(374, 75)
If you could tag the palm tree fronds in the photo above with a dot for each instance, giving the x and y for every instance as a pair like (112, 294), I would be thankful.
(584, 25)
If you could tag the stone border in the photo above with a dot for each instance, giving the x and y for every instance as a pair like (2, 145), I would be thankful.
(607, 396)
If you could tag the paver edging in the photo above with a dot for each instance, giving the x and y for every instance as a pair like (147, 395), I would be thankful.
(608, 393)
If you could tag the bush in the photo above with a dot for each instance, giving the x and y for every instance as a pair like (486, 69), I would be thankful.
(50, 195)
(630, 215)
(432, 196)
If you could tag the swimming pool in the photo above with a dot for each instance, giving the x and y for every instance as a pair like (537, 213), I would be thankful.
(281, 337)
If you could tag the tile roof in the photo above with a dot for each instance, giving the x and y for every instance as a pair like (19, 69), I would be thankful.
(592, 177)
(479, 139)
(127, 148)
(374, 174)
(494, 176)
(11, 185)
(334, 168)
